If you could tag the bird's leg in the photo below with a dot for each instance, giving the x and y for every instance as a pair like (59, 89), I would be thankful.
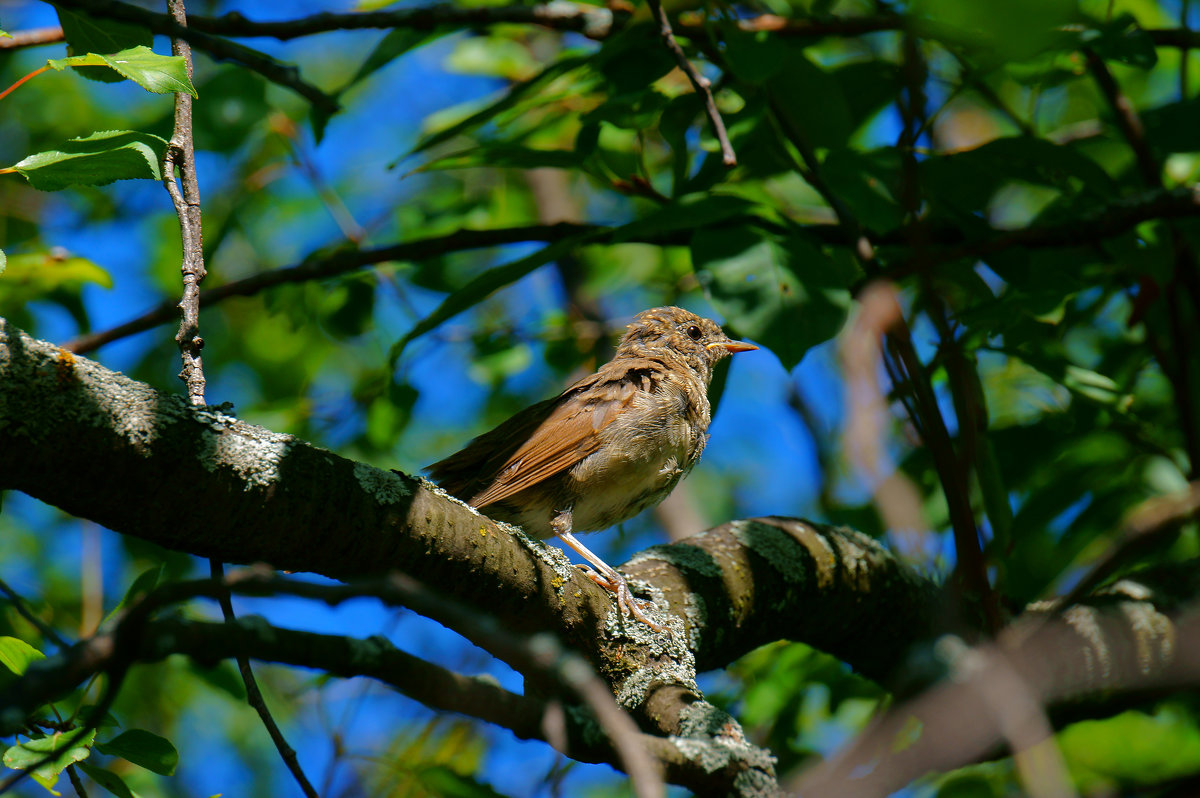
(604, 574)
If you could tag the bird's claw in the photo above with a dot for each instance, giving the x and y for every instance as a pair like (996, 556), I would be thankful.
(626, 601)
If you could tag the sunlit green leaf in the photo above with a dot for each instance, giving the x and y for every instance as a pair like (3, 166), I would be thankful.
(16, 654)
(96, 160)
(1132, 748)
(160, 74)
(87, 34)
(50, 755)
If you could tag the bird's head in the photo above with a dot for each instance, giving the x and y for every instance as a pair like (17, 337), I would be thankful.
(674, 331)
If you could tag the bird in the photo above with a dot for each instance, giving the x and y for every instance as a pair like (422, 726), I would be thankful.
(606, 448)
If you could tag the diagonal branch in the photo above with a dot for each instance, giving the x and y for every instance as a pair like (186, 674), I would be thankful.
(701, 84)
(1108, 221)
(86, 439)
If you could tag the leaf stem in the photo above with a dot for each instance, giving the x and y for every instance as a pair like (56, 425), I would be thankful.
(13, 87)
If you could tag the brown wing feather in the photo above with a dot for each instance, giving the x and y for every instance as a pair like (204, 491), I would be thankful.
(568, 435)
(465, 473)
(542, 440)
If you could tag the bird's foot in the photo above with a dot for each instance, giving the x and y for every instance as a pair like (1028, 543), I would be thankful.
(626, 602)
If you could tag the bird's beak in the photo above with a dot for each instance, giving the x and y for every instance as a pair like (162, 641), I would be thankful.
(732, 346)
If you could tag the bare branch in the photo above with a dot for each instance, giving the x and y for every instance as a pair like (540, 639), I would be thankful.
(594, 22)
(1120, 640)
(701, 84)
(181, 153)
(33, 37)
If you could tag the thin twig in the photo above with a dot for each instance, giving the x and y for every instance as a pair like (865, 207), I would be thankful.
(1128, 121)
(322, 265)
(254, 696)
(1145, 527)
(76, 782)
(181, 153)
(1134, 132)
(1106, 222)
(701, 84)
(47, 631)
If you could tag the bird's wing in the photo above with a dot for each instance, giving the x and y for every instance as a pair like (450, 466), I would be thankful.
(544, 439)
(570, 433)
(466, 472)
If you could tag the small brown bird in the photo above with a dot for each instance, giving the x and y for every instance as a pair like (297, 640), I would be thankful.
(604, 449)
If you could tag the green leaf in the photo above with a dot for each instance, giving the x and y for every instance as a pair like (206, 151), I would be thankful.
(752, 57)
(3, 261)
(500, 155)
(107, 779)
(16, 654)
(48, 277)
(442, 780)
(1172, 127)
(1132, 748)
(867, 182)
(809, 102)
(1121, 39)
(153, 72)
(33, 275)
(346, 308)
(396, 43)
(510, 99)
(690, 212)
(632, 60)
(145, 582)
(86, 34)
(485, 285)
(145, 749)
(63, 747)
(868, 87)
(782, 291)
(96, 160)
(963, 184)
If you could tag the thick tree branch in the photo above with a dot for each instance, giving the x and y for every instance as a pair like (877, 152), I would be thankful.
(1133, 636)
(104, 447)
(101, 446)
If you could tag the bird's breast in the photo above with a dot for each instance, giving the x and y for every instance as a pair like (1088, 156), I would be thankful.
(643, 455)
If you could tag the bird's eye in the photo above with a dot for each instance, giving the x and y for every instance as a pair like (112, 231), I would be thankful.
(694, 332)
